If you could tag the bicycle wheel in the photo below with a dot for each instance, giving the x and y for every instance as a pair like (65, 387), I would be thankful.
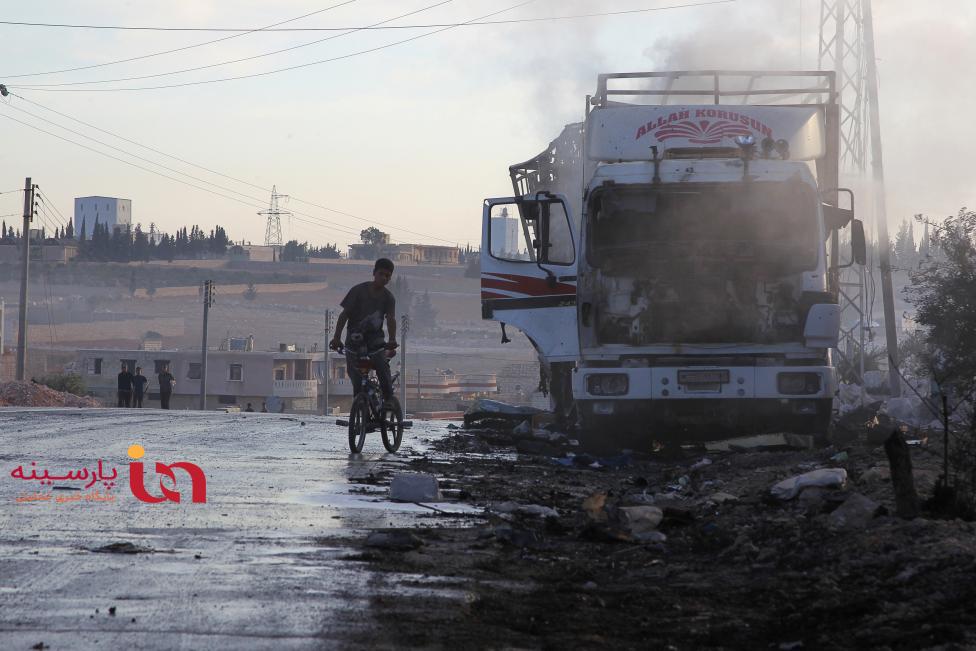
(391, 426)
(358, 420)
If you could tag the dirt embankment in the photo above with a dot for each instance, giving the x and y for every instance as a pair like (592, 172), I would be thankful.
(29, 394)
(728, 566)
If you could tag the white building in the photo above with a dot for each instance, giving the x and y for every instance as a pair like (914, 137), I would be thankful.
(505, 235)
(110, 211)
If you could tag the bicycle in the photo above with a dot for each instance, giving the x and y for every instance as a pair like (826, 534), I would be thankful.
(368, 409)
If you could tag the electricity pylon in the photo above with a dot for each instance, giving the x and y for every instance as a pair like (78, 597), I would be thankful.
(847, 47)
(272, 232)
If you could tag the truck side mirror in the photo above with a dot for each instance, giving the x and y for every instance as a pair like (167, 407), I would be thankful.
(858, 245)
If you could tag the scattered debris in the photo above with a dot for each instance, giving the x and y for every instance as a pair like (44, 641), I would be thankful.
(856, 511)
(640, 521)
(722, 498)
(594, 507)
(490, 414)
(531, 510)
(414, 487)
(824, 477)
(394, 540)
(123, 548)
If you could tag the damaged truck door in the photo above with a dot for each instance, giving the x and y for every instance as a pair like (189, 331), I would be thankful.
(528, 277)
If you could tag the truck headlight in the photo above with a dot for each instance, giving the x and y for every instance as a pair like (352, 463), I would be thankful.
(607, 384)
(798, 384)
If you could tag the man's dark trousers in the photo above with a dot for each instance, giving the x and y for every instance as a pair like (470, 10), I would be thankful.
(124, 398)
(164, 399)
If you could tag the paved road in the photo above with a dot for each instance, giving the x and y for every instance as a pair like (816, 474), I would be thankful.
(246, 570)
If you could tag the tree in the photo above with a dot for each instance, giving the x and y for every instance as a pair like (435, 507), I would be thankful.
(423, 316)
(904, 248)
(329, 251)
(151, 287)
(473, 267)
(251, 292)
(943, 291)
(294, 252)
(374, 237)
(140, 245)
(401, 292)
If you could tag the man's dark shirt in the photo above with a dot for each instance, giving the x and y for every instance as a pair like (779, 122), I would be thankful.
(139, 383)
(367, 310)
(125, 381)
(165, 382)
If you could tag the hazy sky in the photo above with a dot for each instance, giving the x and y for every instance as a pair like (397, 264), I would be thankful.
(416, 135)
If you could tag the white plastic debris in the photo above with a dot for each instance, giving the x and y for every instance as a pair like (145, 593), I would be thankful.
(848, 397)
(824, 477)
(536, 510)
(701, 464)
(414, 487)
(640, 521)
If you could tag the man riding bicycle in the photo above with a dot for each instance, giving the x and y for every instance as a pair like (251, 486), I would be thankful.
(364, 308)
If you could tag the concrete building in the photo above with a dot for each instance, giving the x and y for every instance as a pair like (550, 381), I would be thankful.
(111, 211)
(52, 251)
(234, 378)
(409, 253)
(505, 235)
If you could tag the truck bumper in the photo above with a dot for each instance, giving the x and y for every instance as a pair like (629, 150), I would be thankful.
(741, 399)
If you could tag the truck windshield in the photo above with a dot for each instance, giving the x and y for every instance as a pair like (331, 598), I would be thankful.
(697, 263)
(769, 226)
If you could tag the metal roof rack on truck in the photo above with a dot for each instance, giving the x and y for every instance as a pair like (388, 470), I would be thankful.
(748, 86)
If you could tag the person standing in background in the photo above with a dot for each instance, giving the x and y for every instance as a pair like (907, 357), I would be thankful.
(166, 383)
(139, 383)
(125, 386)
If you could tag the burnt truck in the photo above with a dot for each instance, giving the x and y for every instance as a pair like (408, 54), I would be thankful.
(674, 258)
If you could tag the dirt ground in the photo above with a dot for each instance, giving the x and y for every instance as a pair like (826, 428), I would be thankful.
(735, 568)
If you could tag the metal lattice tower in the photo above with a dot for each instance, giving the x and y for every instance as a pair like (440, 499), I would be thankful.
(842, 50)
(847, 47)
(272, 232)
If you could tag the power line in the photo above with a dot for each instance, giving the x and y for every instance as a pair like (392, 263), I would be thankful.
(335, 226)
(340, 29)
(60, 214)
(232, 61)
(179, 49)
(207, 169)
(278, 70)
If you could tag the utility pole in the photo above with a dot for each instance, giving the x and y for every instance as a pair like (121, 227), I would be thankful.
(24, 271)
(404, 329)
(208, 301)
(881, 215)
(327, 366)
